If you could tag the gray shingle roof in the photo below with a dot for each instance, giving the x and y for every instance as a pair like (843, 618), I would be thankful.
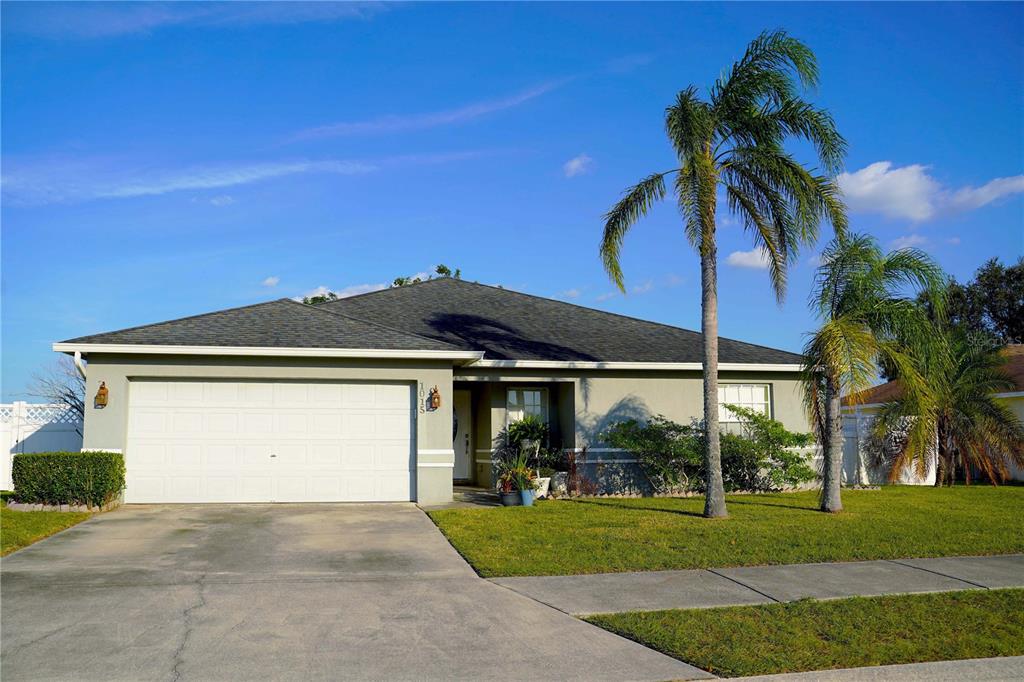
(508, 325)
(283, 323)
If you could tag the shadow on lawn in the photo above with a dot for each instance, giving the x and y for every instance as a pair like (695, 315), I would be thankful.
(682, 512)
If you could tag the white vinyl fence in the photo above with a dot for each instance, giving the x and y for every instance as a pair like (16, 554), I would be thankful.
(33, 427)
(858, 468)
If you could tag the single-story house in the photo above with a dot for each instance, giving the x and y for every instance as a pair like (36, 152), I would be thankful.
(859, 411)
(391, 395)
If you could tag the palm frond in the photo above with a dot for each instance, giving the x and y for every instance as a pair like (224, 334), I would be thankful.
(635, 203)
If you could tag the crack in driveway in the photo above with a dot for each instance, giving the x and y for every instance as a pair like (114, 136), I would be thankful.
(187, 622)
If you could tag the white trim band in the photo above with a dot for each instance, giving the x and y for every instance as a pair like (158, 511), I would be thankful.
(449, 451)
(435, 465)
(561, 364)
(86, 348)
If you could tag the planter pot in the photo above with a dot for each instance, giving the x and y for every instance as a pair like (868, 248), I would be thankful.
(527, 497)
(542, 487)
(511, 499)
(559, 483)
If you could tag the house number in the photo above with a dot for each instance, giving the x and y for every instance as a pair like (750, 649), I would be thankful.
(423, 397)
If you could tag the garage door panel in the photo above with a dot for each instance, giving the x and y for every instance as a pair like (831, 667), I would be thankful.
(212, 442)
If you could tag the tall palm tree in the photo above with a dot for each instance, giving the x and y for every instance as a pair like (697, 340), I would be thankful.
(733, 143)
(973, 430)
(864, 317)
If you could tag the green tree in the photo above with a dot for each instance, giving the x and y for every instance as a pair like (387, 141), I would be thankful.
(864, 317)
(733, 143)
(974, 430)
(442, 271)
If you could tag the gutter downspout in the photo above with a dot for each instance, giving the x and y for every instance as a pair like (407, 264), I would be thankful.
(78, 363)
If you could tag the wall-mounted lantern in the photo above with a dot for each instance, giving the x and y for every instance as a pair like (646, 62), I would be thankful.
(434, 399)
(100, 401)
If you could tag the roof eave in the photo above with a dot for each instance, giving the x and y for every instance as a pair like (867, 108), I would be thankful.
(667, 366)
(458, 356)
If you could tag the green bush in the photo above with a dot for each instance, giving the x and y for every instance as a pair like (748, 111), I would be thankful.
(763, 458)
(90, 478)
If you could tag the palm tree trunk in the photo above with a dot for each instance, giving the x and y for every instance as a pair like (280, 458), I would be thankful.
(714, 490)
(830, 495)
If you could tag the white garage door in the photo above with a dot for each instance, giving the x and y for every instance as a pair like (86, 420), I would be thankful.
(226, 441)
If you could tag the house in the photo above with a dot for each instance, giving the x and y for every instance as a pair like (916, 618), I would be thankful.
(391, 395)
(858, 415)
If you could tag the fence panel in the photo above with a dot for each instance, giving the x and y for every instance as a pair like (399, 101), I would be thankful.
(34, 427)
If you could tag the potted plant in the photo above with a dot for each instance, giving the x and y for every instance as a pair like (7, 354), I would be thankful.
(507, 491)
(526, 482)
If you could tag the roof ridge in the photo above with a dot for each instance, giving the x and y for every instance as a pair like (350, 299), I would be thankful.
(403, 332)
(182, 319)
(567, 303)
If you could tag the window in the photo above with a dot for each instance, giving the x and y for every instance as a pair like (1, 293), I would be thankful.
(755, 397)
(524, 401)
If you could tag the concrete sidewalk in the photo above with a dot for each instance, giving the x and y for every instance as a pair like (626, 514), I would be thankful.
(975, 669)
(655, 590)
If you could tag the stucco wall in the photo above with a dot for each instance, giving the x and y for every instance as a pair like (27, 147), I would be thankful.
(107, 428)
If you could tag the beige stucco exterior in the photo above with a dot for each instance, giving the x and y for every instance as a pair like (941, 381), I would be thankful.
(107, 428)
(581, 402)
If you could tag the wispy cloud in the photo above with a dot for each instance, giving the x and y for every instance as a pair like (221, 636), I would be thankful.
(643, 288)
(577, 165)
(398, 123)
(756, 259)
(910, 192)
(271, 281)
(569, 293)
(222, 200)
(106, 20)
(908, 241)
(59, 180)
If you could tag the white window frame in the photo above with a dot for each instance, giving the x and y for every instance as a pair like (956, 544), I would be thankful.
(545, 405)
(728, 416)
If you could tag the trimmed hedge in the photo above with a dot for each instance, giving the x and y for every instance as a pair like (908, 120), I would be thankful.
(89, 478)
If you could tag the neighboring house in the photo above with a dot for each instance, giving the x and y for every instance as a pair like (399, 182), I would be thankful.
(286, 402)
(858, 417)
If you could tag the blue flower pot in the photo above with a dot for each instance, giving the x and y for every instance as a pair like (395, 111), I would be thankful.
(511, 499)
(527, 497)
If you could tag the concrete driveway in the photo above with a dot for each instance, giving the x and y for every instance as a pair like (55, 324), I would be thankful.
(253, 592)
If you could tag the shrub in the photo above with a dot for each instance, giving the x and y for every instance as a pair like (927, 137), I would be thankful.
(671, 455)
(89, 478)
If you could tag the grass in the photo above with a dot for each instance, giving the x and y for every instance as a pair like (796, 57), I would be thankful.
(610, 535)
(21, 529)
(820, 635)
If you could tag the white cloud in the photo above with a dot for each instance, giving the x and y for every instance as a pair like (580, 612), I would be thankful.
(570, 293)
(271, 281)
(967, 198)
(345, 292)
(756, 258)
(105, 20)
(815, 260)
(396, 123)
(909, 192)
(577, 166)
(908, 241)
(643, 288)
(62, 180)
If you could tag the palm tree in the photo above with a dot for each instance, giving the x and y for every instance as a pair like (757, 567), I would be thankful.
(973, 430)
(733, 143)
(864, 318)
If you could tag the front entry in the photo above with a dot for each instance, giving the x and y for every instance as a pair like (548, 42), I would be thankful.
(461, 431)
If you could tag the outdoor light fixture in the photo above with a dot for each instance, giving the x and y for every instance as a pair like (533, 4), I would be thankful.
(435, 398)
(100, 401)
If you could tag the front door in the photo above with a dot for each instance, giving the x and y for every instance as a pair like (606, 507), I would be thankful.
(462, 429)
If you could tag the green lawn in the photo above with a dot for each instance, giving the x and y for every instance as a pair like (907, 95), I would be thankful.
(20, 529)
(821, 635)
(608, 535)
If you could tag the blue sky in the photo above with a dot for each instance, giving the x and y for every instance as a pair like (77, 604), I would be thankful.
(162, 160)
